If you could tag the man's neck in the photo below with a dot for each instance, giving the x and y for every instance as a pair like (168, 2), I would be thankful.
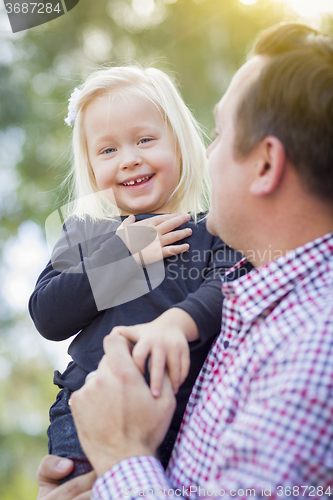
(286, 234)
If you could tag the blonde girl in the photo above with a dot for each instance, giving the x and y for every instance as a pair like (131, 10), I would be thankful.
(134, 253)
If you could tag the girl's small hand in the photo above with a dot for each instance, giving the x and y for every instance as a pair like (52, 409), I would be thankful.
(168, 347)
(162, 246)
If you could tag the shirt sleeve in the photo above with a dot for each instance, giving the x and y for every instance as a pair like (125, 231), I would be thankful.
(205, 304)
(130, 477)
(279, 444)
(281, 440)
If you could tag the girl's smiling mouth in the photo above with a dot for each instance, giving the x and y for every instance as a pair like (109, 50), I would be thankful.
(136, 181)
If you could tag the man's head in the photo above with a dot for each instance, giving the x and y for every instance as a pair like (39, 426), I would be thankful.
(277, 112)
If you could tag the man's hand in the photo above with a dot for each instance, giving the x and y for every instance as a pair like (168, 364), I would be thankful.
(166, 340)
(51, 470)
(162, 246)
(114, 412)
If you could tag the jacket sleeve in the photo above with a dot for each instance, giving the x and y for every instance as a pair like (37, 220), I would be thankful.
(205, 304)
(86, 274)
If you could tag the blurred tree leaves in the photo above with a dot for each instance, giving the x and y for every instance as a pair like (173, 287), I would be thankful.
(201, 42)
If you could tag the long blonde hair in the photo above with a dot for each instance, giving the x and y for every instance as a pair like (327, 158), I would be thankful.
(192, 192)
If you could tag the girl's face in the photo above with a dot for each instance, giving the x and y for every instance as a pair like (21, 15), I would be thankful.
(133, 152)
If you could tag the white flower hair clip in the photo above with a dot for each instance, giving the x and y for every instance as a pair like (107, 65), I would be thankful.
(70, 120)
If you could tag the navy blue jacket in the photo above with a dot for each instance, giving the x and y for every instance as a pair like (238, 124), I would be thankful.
(63, 304)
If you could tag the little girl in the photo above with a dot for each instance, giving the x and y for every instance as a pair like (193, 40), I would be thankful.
(136, 243)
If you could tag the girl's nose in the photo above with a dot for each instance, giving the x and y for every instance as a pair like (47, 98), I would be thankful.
(130, 158)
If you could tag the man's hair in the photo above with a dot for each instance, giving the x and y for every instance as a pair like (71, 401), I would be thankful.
(135, 82)
(292, 99)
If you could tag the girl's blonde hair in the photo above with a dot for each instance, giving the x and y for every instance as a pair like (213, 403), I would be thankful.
(192, 193)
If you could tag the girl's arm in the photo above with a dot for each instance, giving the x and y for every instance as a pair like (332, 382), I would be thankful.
(91, 270)
(197, 318)
(63, 301)
(205, 304)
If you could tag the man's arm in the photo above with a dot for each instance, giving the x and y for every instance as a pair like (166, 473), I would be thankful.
(278, 439)
(114, 412)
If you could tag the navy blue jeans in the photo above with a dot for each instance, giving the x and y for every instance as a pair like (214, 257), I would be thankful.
(63, 439)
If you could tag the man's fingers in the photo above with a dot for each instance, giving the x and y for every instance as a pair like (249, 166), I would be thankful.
(118, 356)
(78, 488)
(53, 468)
(118, 342)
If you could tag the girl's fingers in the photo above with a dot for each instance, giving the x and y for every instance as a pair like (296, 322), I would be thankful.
(129, 220)
(164, 223)
(171, 224)
(157, 369)
(130, 332)
(174, 369)
(184, 364)
(160, 219)
(140, 353)
(156, 220)
(174, 250)
(174, 236)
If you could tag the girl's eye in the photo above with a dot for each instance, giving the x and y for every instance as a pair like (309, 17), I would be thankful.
(145, 140)
(109, 150)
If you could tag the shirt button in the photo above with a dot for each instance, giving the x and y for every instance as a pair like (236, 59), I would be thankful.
(225, 343)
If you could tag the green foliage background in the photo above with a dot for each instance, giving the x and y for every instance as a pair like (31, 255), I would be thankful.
(200, 42)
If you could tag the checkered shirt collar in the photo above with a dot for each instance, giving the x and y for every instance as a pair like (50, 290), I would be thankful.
(258, 289)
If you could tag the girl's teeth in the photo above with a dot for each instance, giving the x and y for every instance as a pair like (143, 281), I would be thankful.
(130, 183)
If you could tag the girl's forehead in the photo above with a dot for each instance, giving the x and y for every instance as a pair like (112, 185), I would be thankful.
(127, 98)
(112, 104)
(122, 116)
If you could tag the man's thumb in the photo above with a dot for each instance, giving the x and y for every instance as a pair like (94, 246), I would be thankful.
(53, 468)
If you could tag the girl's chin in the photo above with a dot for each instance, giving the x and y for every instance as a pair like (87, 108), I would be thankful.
(143, 209)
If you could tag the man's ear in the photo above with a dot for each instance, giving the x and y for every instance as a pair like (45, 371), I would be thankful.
(270, 166)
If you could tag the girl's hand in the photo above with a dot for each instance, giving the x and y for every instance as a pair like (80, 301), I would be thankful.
(166, 340)
(161, 246)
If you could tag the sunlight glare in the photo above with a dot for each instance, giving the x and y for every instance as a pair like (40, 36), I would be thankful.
(309, 8)
(248, 2)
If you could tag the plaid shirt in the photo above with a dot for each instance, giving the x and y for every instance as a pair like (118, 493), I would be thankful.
(259, 421)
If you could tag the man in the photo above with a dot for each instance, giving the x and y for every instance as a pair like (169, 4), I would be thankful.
(259, 421)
